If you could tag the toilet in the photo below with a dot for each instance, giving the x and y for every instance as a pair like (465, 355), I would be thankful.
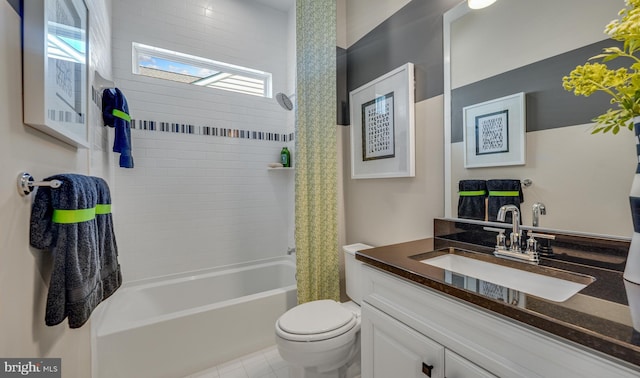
(321, 339)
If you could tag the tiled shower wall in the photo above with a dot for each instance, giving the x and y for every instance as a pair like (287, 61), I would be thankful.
(196, 201)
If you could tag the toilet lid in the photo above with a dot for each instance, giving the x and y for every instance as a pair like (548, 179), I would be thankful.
(315, 317)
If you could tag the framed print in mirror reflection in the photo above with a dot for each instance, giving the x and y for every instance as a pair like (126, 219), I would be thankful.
(494, 132)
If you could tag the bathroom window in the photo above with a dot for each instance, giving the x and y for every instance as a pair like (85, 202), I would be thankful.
(175, 66)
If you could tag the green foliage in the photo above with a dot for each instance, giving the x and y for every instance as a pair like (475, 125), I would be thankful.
(623, 84)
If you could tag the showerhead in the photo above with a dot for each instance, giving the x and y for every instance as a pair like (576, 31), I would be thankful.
(284, 101)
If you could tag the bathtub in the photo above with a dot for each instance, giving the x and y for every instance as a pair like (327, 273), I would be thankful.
(180, 325)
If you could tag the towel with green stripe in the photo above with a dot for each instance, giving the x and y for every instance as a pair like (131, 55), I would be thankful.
(471, 199)
(73, 223)
(503, 192)
(115, 113)
(110, 273)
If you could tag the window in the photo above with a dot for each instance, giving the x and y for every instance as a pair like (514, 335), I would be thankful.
(171, 65)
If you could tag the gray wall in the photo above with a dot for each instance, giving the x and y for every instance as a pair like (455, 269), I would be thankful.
(413, 34)
(15, 4)
(548, 105)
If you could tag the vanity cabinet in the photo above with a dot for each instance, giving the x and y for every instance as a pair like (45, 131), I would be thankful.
(392, 349)
(407, 328)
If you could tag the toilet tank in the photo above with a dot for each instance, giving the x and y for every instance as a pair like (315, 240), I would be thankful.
(352, 269)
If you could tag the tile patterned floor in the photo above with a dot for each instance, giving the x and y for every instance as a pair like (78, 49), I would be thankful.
(265, 363)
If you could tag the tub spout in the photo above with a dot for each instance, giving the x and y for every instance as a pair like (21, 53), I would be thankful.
(291, 251)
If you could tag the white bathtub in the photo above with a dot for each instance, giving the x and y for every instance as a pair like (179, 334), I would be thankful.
(176, 326)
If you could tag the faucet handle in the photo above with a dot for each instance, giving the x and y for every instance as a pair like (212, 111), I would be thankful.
(544, 248)
(532, 243)
(501, 240)
(543, 236)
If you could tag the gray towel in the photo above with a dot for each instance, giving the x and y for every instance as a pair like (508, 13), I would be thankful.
(503, 192)
(471, 204)
(63, 221)
(107, 246)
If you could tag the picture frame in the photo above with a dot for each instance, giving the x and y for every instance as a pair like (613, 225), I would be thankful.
(55, 69)
(495, 132)
(383, 126)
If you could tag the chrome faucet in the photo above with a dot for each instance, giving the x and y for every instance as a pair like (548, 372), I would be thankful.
(515, 218)
(538, 209)
(515, 252)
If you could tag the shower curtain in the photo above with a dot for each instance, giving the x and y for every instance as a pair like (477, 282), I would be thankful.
(316, 230)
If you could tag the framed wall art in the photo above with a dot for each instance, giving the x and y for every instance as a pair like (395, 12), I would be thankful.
(494, 132)
(382, 126)
(55, 65)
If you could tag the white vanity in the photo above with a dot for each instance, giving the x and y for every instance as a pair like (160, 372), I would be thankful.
(415, 324)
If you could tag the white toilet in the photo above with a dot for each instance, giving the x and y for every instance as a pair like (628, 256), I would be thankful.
(322, 338)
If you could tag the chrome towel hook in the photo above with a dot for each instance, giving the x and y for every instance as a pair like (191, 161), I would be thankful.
(26, 183)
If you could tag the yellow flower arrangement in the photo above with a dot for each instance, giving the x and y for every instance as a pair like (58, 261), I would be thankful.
(623, 84)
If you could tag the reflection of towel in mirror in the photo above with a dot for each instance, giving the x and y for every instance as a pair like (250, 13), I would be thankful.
(471, 201)
(63, 221)
(108, 249)
(503, 192)
(115, 113)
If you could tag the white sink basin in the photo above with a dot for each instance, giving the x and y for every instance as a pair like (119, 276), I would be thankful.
(543, 286)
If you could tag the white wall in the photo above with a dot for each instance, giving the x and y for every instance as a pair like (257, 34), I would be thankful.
(195, 201)
(24, 271)
(538, 33)
(387, 211)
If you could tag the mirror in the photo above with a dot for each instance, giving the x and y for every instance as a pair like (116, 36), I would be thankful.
(55, 56)
(524, 46)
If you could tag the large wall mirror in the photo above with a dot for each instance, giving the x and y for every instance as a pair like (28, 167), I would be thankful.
(528, 46)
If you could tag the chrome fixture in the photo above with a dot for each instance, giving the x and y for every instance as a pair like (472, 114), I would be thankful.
(532, 243)
(538, 209)
(515, 252)
(515, 220)
(26, 183)
(284, 101)
(291, 251)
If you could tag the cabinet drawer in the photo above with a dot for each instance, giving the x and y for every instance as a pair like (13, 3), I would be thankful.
(392, 349)
(458, 367)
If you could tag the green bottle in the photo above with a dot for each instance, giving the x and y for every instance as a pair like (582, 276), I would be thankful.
(285, 157)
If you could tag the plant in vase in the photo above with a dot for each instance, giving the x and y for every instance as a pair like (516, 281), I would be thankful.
(623, 86)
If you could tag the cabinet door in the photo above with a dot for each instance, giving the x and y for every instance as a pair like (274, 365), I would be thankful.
(459, 367)
(392, 349)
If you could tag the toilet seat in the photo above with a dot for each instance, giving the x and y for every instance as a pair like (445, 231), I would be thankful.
(315, 321)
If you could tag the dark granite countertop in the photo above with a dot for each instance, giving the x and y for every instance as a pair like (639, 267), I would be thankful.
(597, 317)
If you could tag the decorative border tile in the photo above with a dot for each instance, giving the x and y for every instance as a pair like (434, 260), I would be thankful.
(182, 128)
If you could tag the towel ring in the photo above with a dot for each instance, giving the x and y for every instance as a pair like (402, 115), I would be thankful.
(26, 183)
